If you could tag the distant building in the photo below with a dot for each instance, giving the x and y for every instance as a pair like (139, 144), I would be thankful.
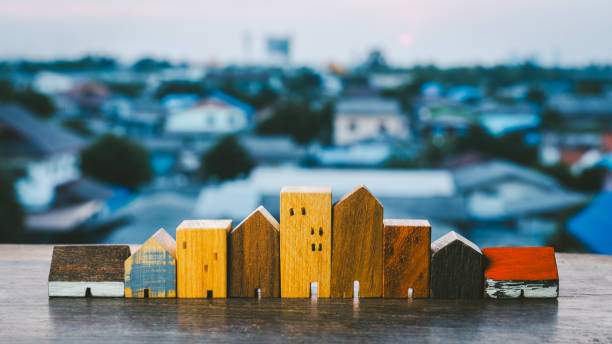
(179, 102)
(503, 191)
(442, 117)
(219, 113)
(569, 147)
(389, 81)
(51, 190)
(583, 112)
(498, 119)
(465, 94)
(51, 83)
(89, 96)
(360, 119)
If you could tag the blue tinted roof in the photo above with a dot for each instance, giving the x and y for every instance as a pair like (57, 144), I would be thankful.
(593, 225)
(226, 98)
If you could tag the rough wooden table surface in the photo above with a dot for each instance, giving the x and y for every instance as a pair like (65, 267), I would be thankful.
(583, 313)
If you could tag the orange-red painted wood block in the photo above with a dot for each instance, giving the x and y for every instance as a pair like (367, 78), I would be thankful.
(513, 272)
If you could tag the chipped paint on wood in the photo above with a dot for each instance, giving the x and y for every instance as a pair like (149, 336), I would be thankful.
(151, 271)
(527, 289)
(79, 289)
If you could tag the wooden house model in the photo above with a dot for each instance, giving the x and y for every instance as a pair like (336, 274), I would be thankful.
(456, 268)
(201, 255)
(254, 269)
(305, 241)
(81, 271)
(151, 270)
(512, 272)
(406, 258)
(357, 246)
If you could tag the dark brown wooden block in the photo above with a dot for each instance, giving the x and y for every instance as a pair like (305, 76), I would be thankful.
(406, 258)
(97, 269)
(357, 234)
(254, 256)
(456, 268)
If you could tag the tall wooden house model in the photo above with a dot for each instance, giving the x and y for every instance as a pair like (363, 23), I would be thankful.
(305, 241)
(357, 255)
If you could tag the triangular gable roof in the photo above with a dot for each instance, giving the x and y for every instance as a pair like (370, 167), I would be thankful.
(359, 188)
(449, 238)
(43, 138)
(226, 98)
(165, 240)
(265, 213)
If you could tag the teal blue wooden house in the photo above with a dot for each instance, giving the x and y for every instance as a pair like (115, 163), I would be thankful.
(151, 271)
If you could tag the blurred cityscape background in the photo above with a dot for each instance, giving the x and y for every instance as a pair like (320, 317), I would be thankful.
(104, 140)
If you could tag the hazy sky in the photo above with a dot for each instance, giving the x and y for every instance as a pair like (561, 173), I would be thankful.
(448, 32)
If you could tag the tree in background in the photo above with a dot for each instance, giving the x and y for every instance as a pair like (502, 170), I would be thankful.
(11, 213)
(228, 159)
(128, 89)
(117, 160)
(77, 125)
(147, 64)
(299, 120)
(37, 103)
(536, 96)
(182, 87)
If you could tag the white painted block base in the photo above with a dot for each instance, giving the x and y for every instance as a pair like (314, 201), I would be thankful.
(78, 289)
(515, 289)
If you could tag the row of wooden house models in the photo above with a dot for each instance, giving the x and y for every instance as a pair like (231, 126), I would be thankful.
(344, 250)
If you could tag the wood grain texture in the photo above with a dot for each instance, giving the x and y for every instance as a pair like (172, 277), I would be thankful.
(255, 256)
(406, 258)
(456, 268)
(151, 270)
(581, 314)
(99, 268)
(305, 257)
(357, 244)
(512, 272)
(202, 258)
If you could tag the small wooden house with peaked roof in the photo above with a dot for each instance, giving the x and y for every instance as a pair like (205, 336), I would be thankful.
(357, 245)
(254, 269)
(151, 270)
(456, 268)
(95, 270)
(201, 251)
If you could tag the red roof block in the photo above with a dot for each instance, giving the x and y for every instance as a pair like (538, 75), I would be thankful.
(521, 263)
